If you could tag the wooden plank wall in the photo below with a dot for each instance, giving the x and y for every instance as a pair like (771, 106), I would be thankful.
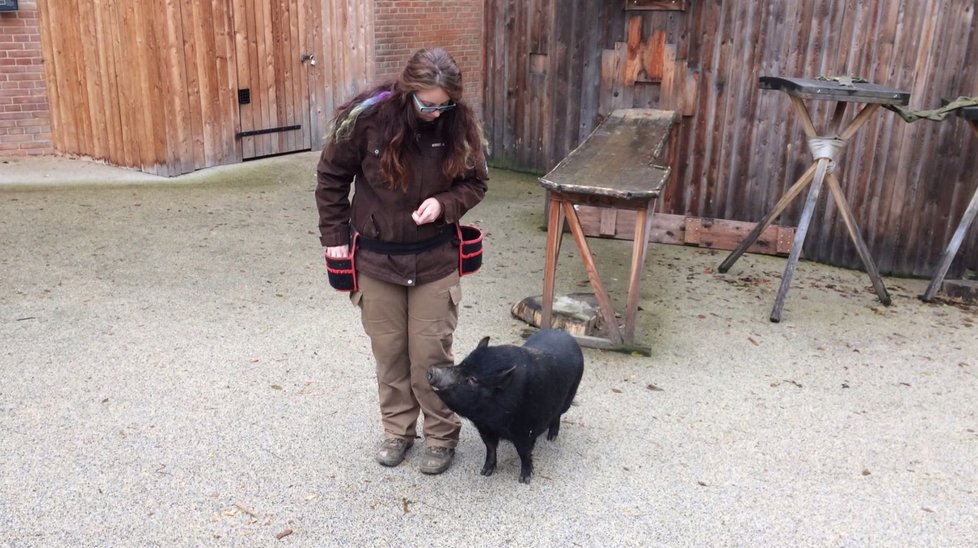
(142, 84)
(152, 84)
(553, 73)
(341, 33)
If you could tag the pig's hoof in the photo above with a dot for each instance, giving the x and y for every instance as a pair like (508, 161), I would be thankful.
(487, 470)
(525, 478)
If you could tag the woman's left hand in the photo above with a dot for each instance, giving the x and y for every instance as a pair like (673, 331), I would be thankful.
(427, 212)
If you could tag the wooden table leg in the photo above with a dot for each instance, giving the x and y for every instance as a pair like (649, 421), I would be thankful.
(766, 221)
(857, 238)
(800, 233)
(640, 245)
(952, 247)
(604, 301)
(555, 229)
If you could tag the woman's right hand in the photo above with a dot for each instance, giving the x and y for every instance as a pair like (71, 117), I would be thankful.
(337, 251)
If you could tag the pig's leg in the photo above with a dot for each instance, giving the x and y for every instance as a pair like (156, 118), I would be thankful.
(492, 442)
(554, 429)
(524, 448)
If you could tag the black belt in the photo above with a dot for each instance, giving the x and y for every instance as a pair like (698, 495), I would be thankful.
(409, 248)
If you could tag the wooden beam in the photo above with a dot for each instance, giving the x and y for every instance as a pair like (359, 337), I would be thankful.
(965, 290)
(656, 5)
(682, 230)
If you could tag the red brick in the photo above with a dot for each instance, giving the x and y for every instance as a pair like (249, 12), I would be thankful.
(37, 147)
(29, 100)
(13, 116)
(23, 138)
(35, 120)
(23, 69)
(21, 73)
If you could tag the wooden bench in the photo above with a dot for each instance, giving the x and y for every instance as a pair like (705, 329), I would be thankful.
(617, 166)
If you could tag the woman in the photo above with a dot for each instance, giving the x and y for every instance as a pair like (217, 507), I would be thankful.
(414, 152)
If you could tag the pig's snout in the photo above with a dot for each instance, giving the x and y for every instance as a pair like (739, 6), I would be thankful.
(438, 378)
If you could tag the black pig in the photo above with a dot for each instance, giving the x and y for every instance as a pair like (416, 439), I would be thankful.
(513, 392)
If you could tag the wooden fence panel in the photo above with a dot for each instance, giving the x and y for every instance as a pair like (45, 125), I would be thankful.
(153, 84)
(739, 147)
(340, 33)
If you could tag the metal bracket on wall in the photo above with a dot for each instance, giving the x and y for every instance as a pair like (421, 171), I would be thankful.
(254, 132)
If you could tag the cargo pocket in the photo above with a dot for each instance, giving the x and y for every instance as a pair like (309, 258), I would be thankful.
(355, 297)
(455, 294)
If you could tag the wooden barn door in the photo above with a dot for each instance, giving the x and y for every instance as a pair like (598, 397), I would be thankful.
(273, 94)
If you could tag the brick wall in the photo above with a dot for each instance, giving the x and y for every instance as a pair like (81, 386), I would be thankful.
(25, 122)
(401, 27)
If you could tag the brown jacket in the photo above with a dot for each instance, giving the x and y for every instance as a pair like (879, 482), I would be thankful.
(379, 213)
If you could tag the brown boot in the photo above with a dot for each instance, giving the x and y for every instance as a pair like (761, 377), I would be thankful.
(392, 451)
(436, 459)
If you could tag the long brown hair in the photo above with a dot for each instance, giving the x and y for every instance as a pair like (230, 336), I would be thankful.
(393, 104)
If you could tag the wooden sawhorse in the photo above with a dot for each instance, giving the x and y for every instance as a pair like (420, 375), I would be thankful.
(971, 115)
(614, 167)
(826, 150)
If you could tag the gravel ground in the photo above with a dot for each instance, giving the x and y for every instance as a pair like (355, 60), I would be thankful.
(175, 370)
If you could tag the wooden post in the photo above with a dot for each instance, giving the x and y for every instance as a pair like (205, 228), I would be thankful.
(806, 219)
(555, 226)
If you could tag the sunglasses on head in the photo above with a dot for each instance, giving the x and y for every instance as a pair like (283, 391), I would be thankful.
(424, 108)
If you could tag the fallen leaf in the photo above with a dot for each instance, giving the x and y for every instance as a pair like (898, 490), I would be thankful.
(866, 472)
(284, 533)
(616, 391)
(654, 388)
(755, 343)
(276, 387)
(404, 505)
(245, 509)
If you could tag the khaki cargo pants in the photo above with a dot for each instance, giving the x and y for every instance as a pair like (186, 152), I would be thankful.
(410, 330)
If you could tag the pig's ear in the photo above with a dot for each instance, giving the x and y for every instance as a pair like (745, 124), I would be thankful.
(483, 343)
(503, 376)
